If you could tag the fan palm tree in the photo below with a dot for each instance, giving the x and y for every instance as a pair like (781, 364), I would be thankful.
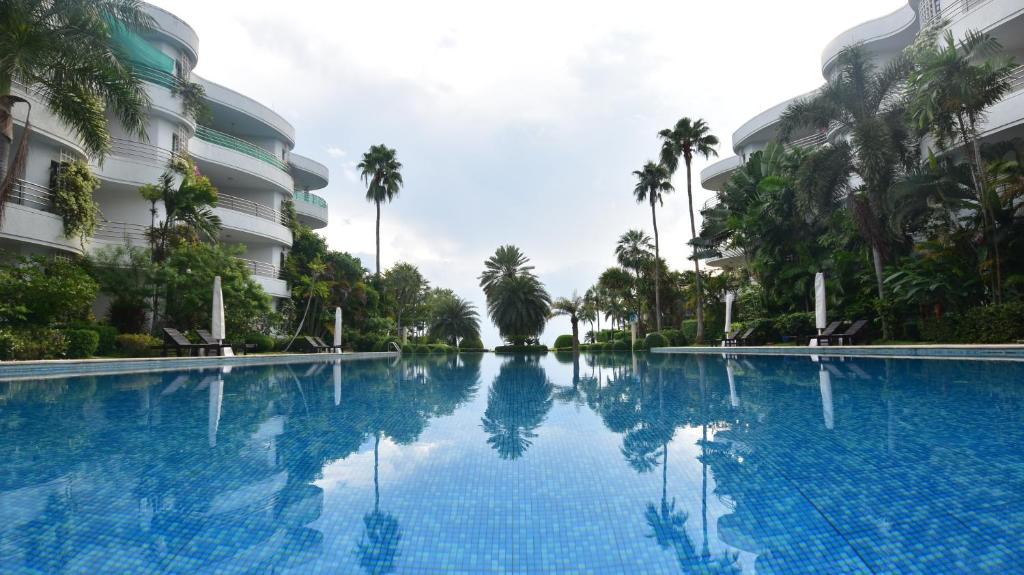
(573, 308)
(653, 181)
(454, 319)
(382, 173)
(62, 52)
(951, 87)
(866, 104)
(684, 140)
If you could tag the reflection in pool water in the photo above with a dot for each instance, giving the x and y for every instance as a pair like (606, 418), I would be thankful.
(481, 463)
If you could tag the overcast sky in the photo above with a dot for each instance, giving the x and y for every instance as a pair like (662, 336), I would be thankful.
(516, 122)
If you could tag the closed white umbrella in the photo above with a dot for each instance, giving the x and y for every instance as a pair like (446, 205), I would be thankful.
(825, 381)
(820, 315)
(213, 411)
(337, 382)
(734, 398)
(217, 322)
(729, 298)
(337, 328)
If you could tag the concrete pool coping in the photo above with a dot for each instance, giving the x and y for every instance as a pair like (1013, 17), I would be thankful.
(1007, 352)
(50, 368)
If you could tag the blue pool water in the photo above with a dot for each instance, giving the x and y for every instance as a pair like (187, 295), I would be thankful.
(484, 464)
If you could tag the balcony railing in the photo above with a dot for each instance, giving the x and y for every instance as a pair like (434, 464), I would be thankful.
(808, 142)
(230, 142)
(947, 9)
(31, 195)
(141, 151)
(108, 231)
(158, 77)
(234, 203)
(304, 196)
(1017, 79)
(263, 269)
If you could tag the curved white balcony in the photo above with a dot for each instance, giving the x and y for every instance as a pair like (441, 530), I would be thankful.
(44, 122)
(110, 233)
(133, 163)
(239, 215)
(222, 155)
(232, 107)
(311, 209)
(756, 132)
(731, 259)
(175, 29)
(716, 175)
(1008, 112)
(884, 37)
(30, 218)
(1002, 18)
(308, 174)
(269, 278)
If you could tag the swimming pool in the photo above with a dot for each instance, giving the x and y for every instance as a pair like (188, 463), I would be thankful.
(483, 463)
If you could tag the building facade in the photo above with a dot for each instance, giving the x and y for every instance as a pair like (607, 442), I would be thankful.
(885, 38)
(242, 146)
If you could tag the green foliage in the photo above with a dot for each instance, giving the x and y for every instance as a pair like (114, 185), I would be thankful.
(81, 343)
(32, 344)
(73, 185)
(193, 102)
(533, 348)
(563, 342)
(939, 330)
(405, 289)
(263, 342)
(800, 323)
(188, 275)
(453, 318)
(41, 292)
(137, 344)
(991, 324)
(107, 335)
(126, 274)
(621, 345)
(516, 300)
(675, 337)
(471, 344)
(421, 348)
(655, 340)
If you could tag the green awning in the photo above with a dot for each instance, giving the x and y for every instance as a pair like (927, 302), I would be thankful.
(138, 50)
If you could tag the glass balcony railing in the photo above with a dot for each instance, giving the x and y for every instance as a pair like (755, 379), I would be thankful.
(223, 140)
(313, 199)
(158, 77)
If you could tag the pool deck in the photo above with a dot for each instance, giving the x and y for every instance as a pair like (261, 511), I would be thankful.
(105, 366)
(1008, 352)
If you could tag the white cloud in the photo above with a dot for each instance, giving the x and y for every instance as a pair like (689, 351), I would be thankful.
(336, 152)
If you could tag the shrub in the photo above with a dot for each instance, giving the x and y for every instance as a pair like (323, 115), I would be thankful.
(406, 348)
(471, 344)
(620, 345)
(39, 343)
(537, 348)
(263, 342)
(81, 343)
(137, 344)
(438, 348)
(563, 342)
(689, 329)
(991, 324)
(107, 338)
(800, 323)
(675, 337)
(421, 348)
(654, 340)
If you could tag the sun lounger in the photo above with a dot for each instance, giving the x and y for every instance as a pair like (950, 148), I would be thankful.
(174, 339)
(740, 339)
(851, 335)
(314, 346)
(830, 329)
(324, 345)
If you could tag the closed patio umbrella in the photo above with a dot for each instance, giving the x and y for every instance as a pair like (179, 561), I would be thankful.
(734, 398)
(337, 329)
(729, 298)
(213, 410)
(336, 368)
(820, 311)
(825, 381)
(217, 315)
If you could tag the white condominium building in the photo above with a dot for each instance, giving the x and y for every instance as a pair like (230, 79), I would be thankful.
(245, 148)
(885, 38)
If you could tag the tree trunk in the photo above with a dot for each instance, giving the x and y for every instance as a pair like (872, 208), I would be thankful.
(876, 256)
(696, 262)
(378, 240)
(657, 269)
(6, 135)
(967, 131)
(575, 335)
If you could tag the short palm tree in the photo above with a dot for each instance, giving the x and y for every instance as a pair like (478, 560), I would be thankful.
(652, 182)
(867, 105)
(573, 308)
(454, 319)
(519, 306)
(684, 140)
(507, 261)
(62, 52)
(633, 252)
(382, 173)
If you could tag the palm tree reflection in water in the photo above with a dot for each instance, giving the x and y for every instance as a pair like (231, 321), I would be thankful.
(378, 548)
(517, 403)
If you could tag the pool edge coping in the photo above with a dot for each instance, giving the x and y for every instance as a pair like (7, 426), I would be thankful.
(1006, 352)
(51, 368)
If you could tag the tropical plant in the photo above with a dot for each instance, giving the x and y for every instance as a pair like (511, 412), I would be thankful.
(633, 252)
(188, 198)
(37, 291)
(405, 289)
(508, 261)
(653, 181)
(517, 403)
(951, 87)
(516, 300)
(381, 171)
(866, 104)
(126, 274)
(686, 139)
(63, 54)
(572, 308)
(454, 319)
(73, 187)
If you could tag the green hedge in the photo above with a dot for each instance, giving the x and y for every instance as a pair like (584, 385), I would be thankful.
(654, 340)
(82, 343)
(471, 343)
(30, 344)
(263, 342)
(137, 344)
(107, 338)
(988, 324)
(563, 342)
(521, 349)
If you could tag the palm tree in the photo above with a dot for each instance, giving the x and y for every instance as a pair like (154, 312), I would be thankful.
(382, 173)
(378, 548)
(653, 181)
(507, 261)
(868, 106)
(516, 300)
(517, 403)
(686, 138)
(951, 87)
(454, 319)
(188, 208)
(574, 309)
(64, 55)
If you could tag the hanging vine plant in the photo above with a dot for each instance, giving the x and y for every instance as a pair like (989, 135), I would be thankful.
(193, 101)
(73, 185)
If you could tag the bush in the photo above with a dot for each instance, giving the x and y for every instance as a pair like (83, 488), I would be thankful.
(137, 344)
(563, 342)
(421, 348)
(406, 348)
(471, 344)
(81, 343)
(107, 338)
(521, 349)
(32, 344)
(991, 324)
(654, 340)
(438, 348)
(801, 323)
(675, 337)
(620, 345)
(263, 342)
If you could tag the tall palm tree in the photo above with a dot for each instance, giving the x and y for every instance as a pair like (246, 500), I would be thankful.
(382, 173)
(950, 88)
(62, 52)
(573, 308)
(516, 300)
(686, 139)
(868, 106)
(454, 318)
(653, 181)
(508, 261)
